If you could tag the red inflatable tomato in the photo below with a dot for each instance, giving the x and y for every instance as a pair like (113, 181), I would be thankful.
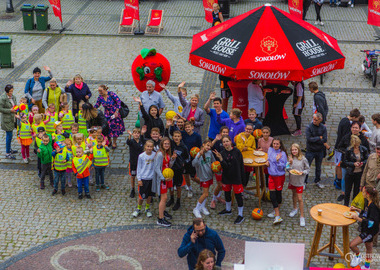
(150, 65)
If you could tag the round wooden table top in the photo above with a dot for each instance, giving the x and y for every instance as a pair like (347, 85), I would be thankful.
(332, 214)
(249, 154)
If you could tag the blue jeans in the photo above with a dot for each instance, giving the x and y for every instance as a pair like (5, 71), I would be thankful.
(99, 174)
(318, 156)
(83, 182)
(344, 171)
(59, 176)
(8, 140)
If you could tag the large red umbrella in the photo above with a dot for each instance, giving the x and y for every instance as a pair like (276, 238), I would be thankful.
(266, 43)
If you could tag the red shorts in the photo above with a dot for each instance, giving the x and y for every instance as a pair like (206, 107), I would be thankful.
(165, 185)
(298, 189)
(237, 188)
(249, 168)
(207, 184)
(218, 177)
(276, 182)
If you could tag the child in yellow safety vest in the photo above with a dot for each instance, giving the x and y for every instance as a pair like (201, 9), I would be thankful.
(38, 122)
(58, 133)
(81, 165)
(51, 117)
(81, 121)
(37, 143)
(91, 140)
(60, 159)
(24, 136)
(69, 169)
(66, 117)
(78, 141)
(32, 113)
(100, 160)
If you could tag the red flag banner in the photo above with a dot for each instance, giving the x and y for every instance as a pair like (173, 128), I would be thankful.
(207, 5)
(296, 8)
(132, 6)
(56, 5)
(374, 12)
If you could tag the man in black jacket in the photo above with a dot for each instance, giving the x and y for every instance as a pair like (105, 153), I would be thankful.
(320, 102)
(316, 138)
(344, 128)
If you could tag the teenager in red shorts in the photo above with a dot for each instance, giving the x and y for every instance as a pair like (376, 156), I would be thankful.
(298, 162)
(232, 163)
(160, 185)
(202, 164)
(276, 164)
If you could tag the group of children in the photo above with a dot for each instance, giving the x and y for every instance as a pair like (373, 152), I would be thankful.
(63, 147)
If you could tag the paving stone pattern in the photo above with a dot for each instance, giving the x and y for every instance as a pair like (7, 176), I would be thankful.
(31, 217)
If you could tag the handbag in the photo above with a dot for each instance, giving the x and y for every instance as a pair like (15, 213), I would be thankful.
(124, 110)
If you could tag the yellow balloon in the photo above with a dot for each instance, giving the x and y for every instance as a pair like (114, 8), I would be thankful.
(339, 266)
(170, 114)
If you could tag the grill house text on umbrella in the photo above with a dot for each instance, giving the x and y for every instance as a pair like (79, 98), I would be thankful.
(266, 44)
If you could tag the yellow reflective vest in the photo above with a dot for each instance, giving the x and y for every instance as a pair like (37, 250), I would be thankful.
(67, 120)
(50, 125)
(100, 156)
(81, 163)
(25, 131)
(60, 161)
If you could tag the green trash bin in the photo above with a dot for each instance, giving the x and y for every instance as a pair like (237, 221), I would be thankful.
(28, 16)
(42, 17)
(5, 52)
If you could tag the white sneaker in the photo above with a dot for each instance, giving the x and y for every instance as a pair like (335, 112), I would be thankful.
(293, 212)
(316, 23)
(26, 160)
(190, 194)
(302, 222)
(148, 213)
(136, 213)
(352, 5)
(205, 211)
(349, 2)
(272, 215)
(320, 185)
(356, 260)
(321, 23)
(277, 220)
(197, 213)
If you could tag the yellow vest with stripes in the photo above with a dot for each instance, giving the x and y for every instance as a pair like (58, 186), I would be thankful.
(25, 131)
(50, 125)
(82, 163)
(38, 142)
(69, 163)
(67, 120)
(60, 160)
(58, 137)
(83, 145)
(81, 121)
(34, 127)
(100, 156)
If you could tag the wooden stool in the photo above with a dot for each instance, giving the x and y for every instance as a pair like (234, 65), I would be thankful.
(332, 215)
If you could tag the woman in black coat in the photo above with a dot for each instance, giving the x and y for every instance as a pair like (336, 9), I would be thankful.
(95, 117)
(354, 160)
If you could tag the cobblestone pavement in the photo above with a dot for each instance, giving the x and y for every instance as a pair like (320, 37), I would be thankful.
(31, 217)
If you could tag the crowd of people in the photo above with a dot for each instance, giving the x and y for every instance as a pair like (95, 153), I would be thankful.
(78, 143)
